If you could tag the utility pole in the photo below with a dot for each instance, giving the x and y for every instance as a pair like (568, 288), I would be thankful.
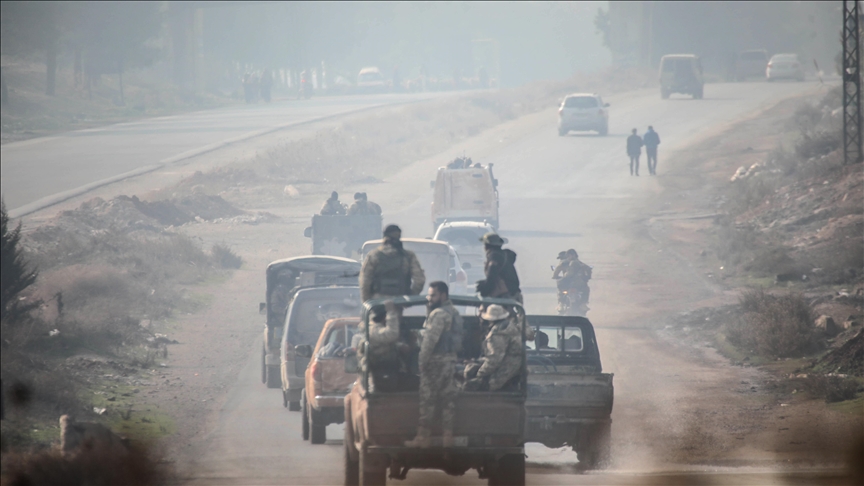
(851, 84)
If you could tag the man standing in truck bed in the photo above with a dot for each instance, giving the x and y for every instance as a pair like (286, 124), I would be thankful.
(442, 338)
(502, 281)
(390, 270)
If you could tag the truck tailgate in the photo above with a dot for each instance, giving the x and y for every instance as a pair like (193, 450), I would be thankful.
(573, 394)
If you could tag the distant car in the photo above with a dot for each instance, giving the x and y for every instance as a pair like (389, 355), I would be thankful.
(681, 73)
(310, 309)
(370, 80)
(751, 64)
(464, 237)
(784, 66)
(322, 401)
(584, 112)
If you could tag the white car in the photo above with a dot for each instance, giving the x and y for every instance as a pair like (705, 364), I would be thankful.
(464, 237)
(584, 112)
(784, 66)
(370, 80)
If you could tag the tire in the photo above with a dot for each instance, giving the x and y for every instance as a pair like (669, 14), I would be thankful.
(511, 471)
(317, 430)
(598, 451)
(562, 132)
(664, 94)
(603, 131)
(272, 378)
(263, 365)
(698, 94)
(352, 468)
(371, 477)
(304, 411)
(293, 406)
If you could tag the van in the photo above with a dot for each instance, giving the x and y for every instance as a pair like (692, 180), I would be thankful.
(310, 309)
(469, 194)
(681, 73)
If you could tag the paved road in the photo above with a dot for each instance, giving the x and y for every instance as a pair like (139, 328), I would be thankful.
(557, 192)
(40, 171)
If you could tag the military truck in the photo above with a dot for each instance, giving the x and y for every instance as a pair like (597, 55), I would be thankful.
(464, 191)
(284, 279)
(342, 235)
(569, 396)
(488, 431)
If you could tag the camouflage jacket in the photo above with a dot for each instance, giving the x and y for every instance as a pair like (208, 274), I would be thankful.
(503, 354)
(438, 326)
(364, 207)
(381, 346)
(376, 279)
(332, 208)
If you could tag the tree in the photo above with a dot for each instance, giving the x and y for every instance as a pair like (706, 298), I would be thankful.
(34, 27)
(16, 275)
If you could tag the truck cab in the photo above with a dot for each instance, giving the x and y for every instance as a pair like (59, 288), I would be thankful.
(681, 73)
(569, 397)
(342, 235)
(488, 430)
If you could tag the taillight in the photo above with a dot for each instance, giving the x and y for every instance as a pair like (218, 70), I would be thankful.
(462, 277)
(316, 371)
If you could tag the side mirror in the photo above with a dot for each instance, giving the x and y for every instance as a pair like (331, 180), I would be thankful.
(606, 105)
(352, 365)
(303, 350)
(307, 232)
(466, 266)
(431, 184)
(262, 308)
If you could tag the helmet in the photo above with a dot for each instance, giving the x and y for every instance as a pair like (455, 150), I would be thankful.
(495, 312)
(492, 239)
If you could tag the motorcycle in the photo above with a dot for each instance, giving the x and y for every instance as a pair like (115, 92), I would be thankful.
(571, 302)
(305, 91)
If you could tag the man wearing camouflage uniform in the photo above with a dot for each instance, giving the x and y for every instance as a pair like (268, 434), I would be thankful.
(380, 354)
(503, 353)
(442, 334)
(390, 270)
(332, 207)
(502, 281)
(362, 206)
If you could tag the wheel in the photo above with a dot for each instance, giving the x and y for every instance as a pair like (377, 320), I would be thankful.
(371, 477)
(511, 471)
(304, 411)
(293, 406)
(263, 365)
(317, 430)
(597, 452)
(352, 468)
(664, 93)
(603, 131)
(562, 132)
(272, 378)
(698, 94)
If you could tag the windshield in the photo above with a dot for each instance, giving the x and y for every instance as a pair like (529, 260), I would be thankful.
(551, 339)
(463, 237)
(581, 102)
(307, 317)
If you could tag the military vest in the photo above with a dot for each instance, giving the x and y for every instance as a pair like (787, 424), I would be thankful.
(451, 339)
(392, 274)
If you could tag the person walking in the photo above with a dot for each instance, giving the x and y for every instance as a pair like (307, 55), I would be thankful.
(442, 338)
(634, 150)
(651, 141)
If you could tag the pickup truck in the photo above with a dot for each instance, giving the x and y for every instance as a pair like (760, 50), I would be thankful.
(569, 397)
(488, 432)
(322, 401)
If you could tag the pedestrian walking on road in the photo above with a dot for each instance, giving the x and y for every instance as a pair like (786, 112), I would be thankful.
(634, 150)
(651, 141)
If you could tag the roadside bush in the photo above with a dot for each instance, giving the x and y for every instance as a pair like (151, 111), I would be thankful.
(16, 275)
(832, 388)
(773, 325)
(225, 257)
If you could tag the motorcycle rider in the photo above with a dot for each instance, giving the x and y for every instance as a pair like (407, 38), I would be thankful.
(572, 274)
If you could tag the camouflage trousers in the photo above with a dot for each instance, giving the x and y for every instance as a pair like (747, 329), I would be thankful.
(438, 392)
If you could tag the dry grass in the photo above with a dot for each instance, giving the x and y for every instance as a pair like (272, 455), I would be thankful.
(777, 326)
(225, 257)
(832, 388)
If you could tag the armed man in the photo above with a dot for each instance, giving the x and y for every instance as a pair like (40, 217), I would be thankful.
(502, 353)
(362, 205)
(332, 206)
(502, 281)
(380, 355)
(390, 270)
(442, 339)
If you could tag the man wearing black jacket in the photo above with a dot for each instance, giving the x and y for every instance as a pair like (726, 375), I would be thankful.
(651, 141)
(501, 278)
